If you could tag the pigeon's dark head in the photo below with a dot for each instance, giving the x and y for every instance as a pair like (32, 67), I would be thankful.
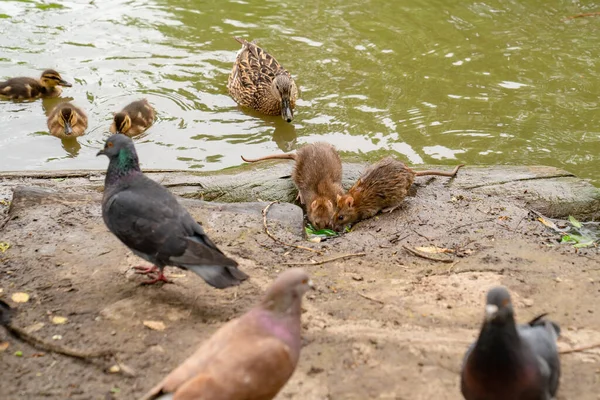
(115, 145)
(498, 309)
(287, 290)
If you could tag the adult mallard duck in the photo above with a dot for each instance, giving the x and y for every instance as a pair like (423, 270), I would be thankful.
(134, 119)
(49, 85)
(258, 81)
(66, 121)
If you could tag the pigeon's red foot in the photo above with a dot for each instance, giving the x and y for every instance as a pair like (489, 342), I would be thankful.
(146, 270)
(153, 270)
(160, 278)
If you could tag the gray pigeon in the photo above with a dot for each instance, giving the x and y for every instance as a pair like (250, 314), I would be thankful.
(149, 220)
(510, 362)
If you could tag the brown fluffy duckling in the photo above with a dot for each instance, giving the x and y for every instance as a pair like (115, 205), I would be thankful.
(23, 88)
(134, 119)
(67, 121)
(259, 82)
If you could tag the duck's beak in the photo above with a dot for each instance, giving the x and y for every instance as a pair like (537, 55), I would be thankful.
(286, 111)
(68, 128)
(64, 83)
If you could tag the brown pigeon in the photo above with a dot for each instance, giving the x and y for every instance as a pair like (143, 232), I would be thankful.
(249, 358)
(510, 362)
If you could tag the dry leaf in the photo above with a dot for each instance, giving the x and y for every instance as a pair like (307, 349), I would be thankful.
(433, 249)
(549, 224)
(3, 346)
(57, 320)
(155, 325)
(57, 337)
(20, 297)
(34, 327)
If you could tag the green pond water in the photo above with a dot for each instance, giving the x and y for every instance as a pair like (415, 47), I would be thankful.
(434, 82)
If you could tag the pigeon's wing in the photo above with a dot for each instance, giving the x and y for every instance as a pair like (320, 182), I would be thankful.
(232, 365)
(147, 220)
(541, 335)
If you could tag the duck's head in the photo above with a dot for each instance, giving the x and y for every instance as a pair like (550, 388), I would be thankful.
(67, 118)
(282, 87)
(122, 122)
(50, 78)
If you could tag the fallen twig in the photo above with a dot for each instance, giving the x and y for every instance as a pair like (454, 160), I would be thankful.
(592, 14)
(265, 211)
(312, 262)
(580, 349)
(4, 222)
(364, 296)
(20, 333)
(470, 223)
(420, 234)
(422, 255)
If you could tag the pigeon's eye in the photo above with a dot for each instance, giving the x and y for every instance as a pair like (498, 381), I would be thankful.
(109, 144)
(304, 281)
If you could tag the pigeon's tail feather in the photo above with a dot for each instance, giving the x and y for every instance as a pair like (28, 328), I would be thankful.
(219, 276)
(201, 251)
(541, 321)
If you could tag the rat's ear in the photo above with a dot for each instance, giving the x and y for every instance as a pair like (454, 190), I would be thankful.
(338, 197)
(314, 205)
(349, 201)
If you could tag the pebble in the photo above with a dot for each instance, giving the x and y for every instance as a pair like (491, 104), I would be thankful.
(528, 302)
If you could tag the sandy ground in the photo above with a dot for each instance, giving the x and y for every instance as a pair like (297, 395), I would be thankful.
(386, 325)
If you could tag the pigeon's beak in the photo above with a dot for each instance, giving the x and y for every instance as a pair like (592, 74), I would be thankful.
(286, 111)
(100, 153)
(490, 311)
(64, 83)
(311, 284)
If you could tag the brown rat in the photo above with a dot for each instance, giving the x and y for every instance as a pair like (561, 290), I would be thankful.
(382, 187)
(318, 177)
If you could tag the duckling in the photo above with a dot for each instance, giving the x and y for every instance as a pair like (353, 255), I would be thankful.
(133, 119)
(258, 81)
(67, 121)
(49, 85)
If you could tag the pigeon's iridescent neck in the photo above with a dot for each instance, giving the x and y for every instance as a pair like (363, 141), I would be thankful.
(125, 164)
(497, 346)
(285, 327)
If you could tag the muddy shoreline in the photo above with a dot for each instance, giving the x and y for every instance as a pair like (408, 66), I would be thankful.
(386, 325)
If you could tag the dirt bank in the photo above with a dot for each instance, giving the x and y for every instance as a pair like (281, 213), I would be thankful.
(386, 325)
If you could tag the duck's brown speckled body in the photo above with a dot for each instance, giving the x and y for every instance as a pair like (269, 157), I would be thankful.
(259, 82)
(67, 121)
(24, 88)
(134, 119)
